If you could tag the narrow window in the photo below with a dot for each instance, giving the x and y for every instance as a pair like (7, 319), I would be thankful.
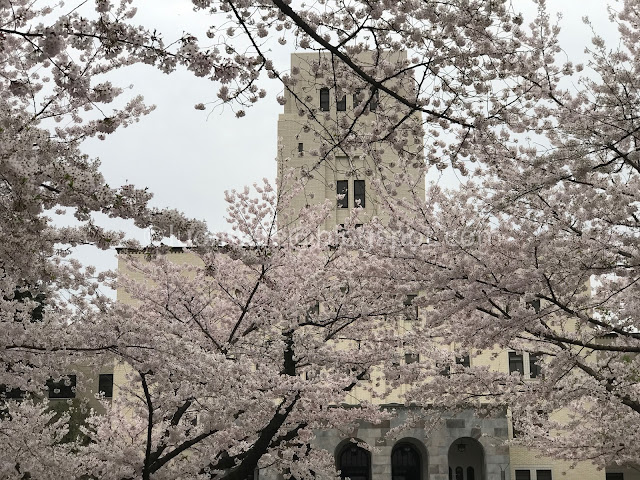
(471, 474)
(356, 98)
(514, 431)
(341, 105)
(614, 476)
(534, 366)
(358, 193)
(105, 384)
(543, 475)
(64, 388)
(412, 310)
(373, 103)
(324, 99)
(523, 475)
(459, 473)
(300, 148)
(515, 363)
(342, 189)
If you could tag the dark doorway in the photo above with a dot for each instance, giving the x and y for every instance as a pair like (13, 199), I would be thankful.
(405, 462)
(354, 462)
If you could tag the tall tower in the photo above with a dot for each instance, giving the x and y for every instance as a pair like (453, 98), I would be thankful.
(347, 142)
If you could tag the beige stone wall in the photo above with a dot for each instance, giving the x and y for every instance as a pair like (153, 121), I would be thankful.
(322, 174)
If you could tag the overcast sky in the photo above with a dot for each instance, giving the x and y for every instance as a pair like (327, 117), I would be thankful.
(188, 158)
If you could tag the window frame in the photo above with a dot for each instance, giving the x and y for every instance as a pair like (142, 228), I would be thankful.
(344, 186)
(359, 193)
(325, 99)
(107, 394)
(531, 368)
(532, 471)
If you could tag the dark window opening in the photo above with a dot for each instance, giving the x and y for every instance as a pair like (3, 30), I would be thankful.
(342, 188)
(354, 463)
(64, 388)
(534, 366)
(105, 384)
(358, 193)
(411, 312)
(405, 463)
(516, 363)
(459, 473)
(324, 99)
(410, 358)
(373, 102)
(535, 304)
(464, 361)
(11, 393)
(543, 474)
(471, 474)
(614, 476)
(523, 475)
(300, 148)
(357, 97)
(341, 104)
(515, 433)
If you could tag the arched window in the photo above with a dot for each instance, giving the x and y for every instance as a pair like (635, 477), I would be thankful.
(354, 462)
(471, 474)
(405, 462)
(459, 473)
(324, 99)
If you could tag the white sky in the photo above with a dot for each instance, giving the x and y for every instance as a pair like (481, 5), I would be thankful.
(188, 158)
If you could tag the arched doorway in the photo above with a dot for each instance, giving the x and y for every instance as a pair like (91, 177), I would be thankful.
(406, 462)
(466, 460)
(354, 462)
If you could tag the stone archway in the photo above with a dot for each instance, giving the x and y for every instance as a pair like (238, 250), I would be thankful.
(466, 460)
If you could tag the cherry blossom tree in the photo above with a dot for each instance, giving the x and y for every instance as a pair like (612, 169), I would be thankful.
(535, 252)
(247, 350)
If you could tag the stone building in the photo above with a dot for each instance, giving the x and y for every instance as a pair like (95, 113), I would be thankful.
(321, 108)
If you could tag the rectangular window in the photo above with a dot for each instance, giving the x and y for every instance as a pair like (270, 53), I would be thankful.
(105, 384)
(300, 148)
(324, 99)
(64, 388)
(358, 193)
(412, 310)
(341, 106)
(11, 393)
(410, 358)
(342, 188)
(534, 366)
(543, 475)
(357, 97)
(514, 431)
(614, 476)
(464, 361)
(516, 363)
(373, 103)
(535, 304)
(523, 475)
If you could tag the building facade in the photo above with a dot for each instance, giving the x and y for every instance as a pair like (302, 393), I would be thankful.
(327, 140)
